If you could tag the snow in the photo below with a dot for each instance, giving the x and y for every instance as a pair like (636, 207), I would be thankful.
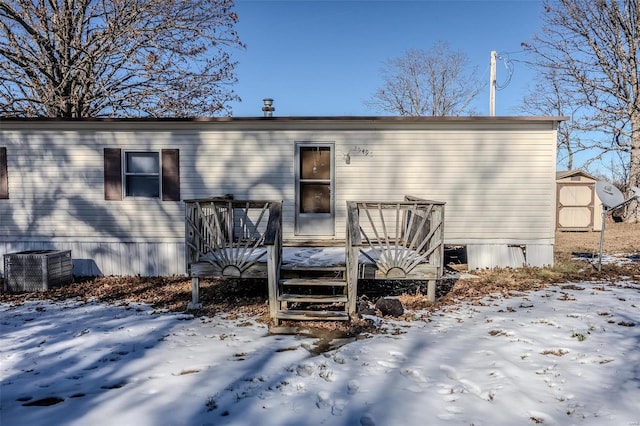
(314, 256)
(560, 356)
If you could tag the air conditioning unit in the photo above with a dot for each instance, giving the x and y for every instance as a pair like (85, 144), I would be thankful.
(37, 270)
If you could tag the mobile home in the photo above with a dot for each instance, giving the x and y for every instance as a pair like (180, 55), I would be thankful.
(112, 190)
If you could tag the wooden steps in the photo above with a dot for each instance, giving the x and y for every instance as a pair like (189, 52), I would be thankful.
(312, 298)
(305, 315)
(312, 293)
(325, 282)
(320, 269)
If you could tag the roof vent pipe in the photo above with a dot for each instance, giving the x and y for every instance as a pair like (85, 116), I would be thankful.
(268, 107)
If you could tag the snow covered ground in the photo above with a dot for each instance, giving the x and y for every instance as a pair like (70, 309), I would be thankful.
(565, 355)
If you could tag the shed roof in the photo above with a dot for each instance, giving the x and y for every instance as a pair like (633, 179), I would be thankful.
(569, 173)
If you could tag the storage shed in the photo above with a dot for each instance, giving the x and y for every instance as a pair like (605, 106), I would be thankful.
(579, 208)
(112, 190)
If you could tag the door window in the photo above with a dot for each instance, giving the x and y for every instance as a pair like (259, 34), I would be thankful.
(315, 179)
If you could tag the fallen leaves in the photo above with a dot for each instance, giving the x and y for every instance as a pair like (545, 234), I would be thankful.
(163, 293)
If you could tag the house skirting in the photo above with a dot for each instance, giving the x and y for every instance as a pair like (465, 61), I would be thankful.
(110, 257)
(480, 256)
(165, 258)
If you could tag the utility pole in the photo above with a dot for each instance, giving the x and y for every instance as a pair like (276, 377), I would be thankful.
(492, 85)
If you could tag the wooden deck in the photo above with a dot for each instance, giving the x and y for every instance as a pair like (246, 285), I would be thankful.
(384, 240)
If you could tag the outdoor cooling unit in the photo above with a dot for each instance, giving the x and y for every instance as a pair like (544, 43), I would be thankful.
(37, 270)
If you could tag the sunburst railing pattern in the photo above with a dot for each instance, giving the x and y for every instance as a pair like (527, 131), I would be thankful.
(402, 239)
(229, 234)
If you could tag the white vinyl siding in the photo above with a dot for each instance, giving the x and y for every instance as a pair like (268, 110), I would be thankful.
(497, 178)
(496, 185)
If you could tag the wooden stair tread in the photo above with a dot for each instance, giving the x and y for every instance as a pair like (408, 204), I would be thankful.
(311, 276)
(317, 298)
(311, 268)
(337, 282)
(302, 315)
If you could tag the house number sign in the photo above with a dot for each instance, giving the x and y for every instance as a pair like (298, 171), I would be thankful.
(362, 151)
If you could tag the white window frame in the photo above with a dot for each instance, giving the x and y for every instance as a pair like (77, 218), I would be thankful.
(126, 174)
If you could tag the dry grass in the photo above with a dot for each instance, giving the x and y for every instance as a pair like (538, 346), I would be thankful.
(619, 238)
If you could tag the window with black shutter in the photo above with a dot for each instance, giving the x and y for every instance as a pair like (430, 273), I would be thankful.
(142, 174)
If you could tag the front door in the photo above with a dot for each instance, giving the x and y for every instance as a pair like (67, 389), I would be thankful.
(314, 189)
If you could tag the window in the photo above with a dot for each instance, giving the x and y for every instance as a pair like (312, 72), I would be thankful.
(315, 179)
(142, 174)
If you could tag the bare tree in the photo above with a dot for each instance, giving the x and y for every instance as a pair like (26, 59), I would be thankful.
(437, 82)
(548, 98)
(126, 58)
(593, 46)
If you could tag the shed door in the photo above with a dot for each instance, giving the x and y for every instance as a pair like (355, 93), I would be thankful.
(315, 210)
(575, 207)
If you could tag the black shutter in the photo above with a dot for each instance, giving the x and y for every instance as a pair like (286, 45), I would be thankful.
(4, 174)
(170, 175)
(112, 174)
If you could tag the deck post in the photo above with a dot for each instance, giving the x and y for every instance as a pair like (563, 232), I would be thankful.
(431, 290)
(195, 294)
(437, 219)
(353, 243)
(352, 279)
(272, 281)
(273, 242)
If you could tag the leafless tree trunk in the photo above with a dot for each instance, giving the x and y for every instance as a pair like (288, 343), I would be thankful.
(437, 82)
(107, 58)
(594, 47)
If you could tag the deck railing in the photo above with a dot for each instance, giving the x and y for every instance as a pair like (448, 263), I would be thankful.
(401, 240)
(384, 240)
(231, 235)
